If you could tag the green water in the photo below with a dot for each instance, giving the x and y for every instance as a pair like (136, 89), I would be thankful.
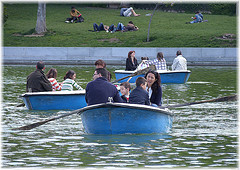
(202, 136)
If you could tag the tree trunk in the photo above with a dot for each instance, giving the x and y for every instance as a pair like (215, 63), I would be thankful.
(41, 18)
(151, 21)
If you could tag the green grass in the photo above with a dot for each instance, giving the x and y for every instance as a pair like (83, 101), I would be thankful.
(167, 29)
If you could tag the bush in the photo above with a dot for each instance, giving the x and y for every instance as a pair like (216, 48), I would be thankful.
(223, 9)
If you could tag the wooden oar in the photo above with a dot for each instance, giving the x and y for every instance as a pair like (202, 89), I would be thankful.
(139, 72)
(33, 125)
(221, 99)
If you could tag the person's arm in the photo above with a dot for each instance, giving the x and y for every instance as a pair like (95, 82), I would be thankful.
(86, 95)
(77, 86)
(174, 64)
(147, 101)
(128, 65)
(56, 85)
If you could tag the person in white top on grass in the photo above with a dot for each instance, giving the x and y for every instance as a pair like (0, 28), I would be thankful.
(179, 63)
(69, 82)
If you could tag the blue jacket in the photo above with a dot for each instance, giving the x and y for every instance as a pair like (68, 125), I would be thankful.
(139, 96)
(156, 98)
(99, 90)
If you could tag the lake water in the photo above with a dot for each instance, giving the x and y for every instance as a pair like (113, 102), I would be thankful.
(202, 136)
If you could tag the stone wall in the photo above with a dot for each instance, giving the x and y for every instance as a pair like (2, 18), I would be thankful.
(114, 55)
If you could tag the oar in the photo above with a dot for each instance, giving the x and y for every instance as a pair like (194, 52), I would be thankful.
(33, 125)
(221, 99)
(139, 72)
(21, 105)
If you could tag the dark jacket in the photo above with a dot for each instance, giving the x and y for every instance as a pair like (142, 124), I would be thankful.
(99, 90)
(139, 96)
(130, 66)
(38, 82)
(156, 98)
(124, 99)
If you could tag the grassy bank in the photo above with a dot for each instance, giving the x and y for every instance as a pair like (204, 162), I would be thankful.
(167, 29)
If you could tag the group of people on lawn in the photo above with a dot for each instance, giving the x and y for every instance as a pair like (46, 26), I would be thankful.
(148, 89)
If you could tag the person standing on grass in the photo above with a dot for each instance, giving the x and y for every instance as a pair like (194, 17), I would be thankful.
(100, 90)
(179, 63)
(37, 81)
(69, 82)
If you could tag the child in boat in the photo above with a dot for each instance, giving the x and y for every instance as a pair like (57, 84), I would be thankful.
(139, 95)
(69, 81)
(124, 89)
(52, 75)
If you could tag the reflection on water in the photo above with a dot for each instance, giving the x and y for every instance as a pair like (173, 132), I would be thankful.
(202, 136)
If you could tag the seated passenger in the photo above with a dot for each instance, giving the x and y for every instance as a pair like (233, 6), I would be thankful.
(139, 95)
(159, 62)
(37, 80)
(124, 89)
(69, 82)
(131, 61)
(52, 75)
(100, 90)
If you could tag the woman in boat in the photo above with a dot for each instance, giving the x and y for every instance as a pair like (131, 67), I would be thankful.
(52, 75)
(69, 82)
(159, 62)
(154, 87)
(131, 61)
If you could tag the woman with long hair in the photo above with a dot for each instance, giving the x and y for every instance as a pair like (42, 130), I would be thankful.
(131, 61)
(154, 87)
(52, 75)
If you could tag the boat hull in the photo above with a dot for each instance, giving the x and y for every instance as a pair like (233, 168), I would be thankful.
(65, 100)
(120, 118)
(167, 77)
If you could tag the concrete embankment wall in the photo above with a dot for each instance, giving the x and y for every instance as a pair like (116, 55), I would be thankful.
(115, 55)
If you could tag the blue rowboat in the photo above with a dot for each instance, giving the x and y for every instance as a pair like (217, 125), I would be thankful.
(58, 100)
(123, 118)
(171, 77)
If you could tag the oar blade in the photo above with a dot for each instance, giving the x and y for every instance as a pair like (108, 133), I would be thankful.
(31, 126)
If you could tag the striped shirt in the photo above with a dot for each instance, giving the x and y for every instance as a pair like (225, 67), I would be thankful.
(68, 84)
(55, 85)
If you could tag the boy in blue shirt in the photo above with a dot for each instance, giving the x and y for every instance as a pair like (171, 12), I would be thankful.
(139, 95)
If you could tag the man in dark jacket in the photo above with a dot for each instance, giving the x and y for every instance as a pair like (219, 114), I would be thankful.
(139, 95)
(100, 90)
(37, 81)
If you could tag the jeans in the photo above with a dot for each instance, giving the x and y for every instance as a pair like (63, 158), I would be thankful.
(98, 28)
(112, 28)
(120, 26)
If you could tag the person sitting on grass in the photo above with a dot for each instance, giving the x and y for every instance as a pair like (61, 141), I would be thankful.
(75, 16)
(197, 18)
(125, 91)
(139, 95)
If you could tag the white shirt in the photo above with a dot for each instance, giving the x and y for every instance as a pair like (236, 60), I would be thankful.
(179, 63)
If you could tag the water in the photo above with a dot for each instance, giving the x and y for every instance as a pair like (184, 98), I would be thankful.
(202, 136)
